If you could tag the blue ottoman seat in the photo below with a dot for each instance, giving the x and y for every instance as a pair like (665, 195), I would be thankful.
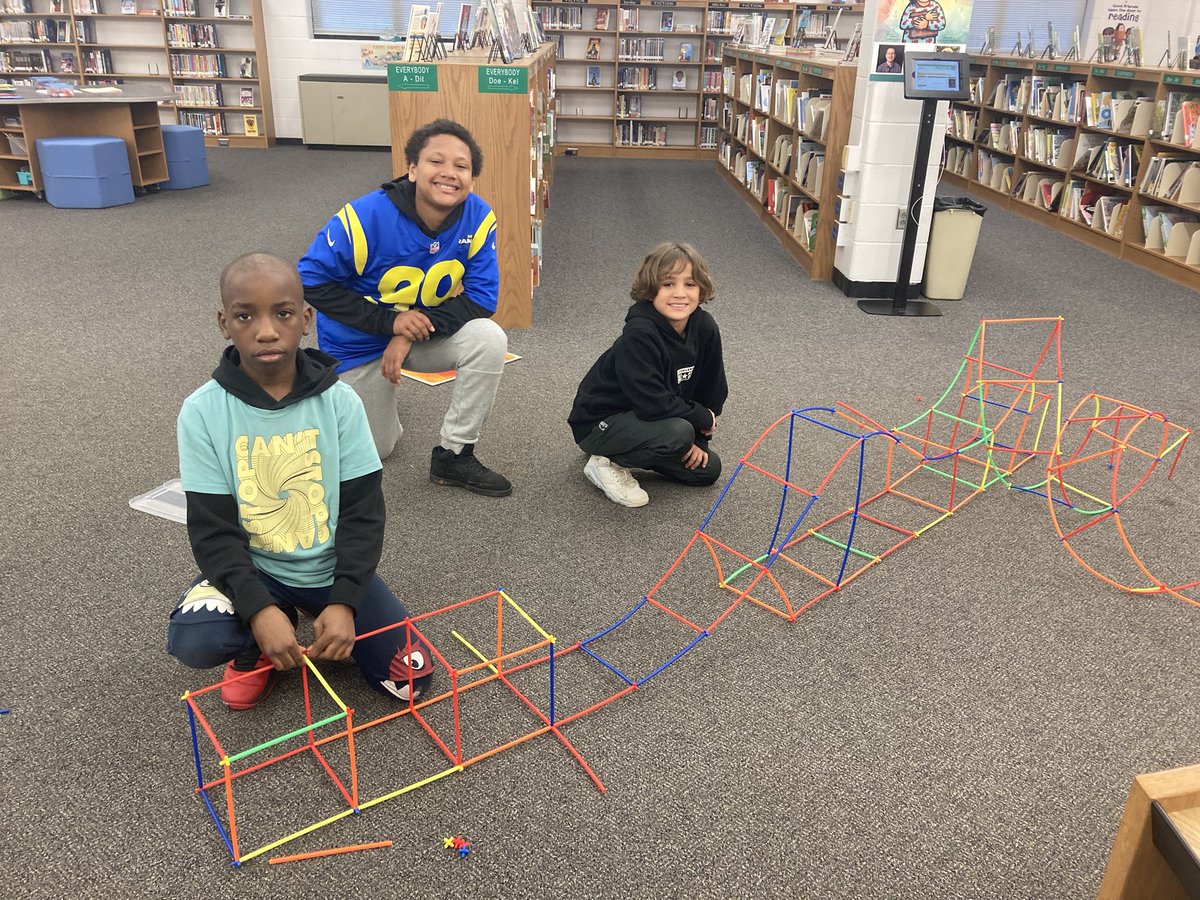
(85, 172)
(187, 164)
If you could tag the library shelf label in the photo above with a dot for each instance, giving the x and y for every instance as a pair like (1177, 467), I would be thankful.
(503, 80)
(412, 78)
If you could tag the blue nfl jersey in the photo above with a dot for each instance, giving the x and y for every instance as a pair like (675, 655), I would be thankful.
(374, 250)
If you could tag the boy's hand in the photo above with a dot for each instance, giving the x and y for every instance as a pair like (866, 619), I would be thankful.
(712, 429)
(393, 358)
(334, 631)
(276, 637)
(414, 325)
(695, 458)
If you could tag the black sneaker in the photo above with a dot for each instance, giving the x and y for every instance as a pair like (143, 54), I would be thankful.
(464, 470)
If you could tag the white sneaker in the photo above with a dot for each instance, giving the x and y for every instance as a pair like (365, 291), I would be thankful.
(618, 484)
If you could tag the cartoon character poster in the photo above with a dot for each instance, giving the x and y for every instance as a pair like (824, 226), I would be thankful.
(941, 22)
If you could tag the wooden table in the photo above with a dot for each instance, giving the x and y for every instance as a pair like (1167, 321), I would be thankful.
(130, 114)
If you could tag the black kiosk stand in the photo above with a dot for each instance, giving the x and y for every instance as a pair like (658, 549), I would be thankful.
(928, 77)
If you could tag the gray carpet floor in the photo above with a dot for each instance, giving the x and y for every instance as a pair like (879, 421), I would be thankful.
(962, 721)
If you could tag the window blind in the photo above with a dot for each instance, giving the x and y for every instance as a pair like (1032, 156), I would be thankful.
(1013, 17)
(372, 19)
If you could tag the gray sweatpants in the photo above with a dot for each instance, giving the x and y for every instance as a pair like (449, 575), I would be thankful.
(476, 350)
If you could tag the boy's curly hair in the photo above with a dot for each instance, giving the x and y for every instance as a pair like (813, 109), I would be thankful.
(663, 259)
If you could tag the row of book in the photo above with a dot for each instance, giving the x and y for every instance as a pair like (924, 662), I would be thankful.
(209, 95)
(708, 137)
(1172, 119)
(963, 123)
(641, 134)
(711, 82)
(642, 78)
(1172, 232)
(198, 65)
(641, 48)
(1173, 178)
(181, 35)
(36, 31)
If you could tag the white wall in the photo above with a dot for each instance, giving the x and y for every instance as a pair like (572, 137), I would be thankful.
(292, 52)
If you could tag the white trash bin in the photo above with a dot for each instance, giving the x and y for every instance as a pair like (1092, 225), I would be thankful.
(952, 239)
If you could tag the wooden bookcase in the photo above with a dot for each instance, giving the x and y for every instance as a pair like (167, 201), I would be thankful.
(515, 132)
(619, 64)
(1028, 139)
(195, 48)
(764, 147)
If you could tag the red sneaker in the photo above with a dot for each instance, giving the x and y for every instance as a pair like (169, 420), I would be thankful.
(249, 691)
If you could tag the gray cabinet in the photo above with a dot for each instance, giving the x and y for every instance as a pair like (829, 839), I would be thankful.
(348, 110)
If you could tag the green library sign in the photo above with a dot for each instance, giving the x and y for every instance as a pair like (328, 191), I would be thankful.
(1173, 79)
(1097, 70)
(1011, 63)
(1061, 68)
(811, 70)
(503, 80)
(1125, 73)
(405, 77)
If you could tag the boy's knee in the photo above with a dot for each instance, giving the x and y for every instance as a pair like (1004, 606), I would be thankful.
(485, 341)
(678, 435)
(204, 631)
(408, 665)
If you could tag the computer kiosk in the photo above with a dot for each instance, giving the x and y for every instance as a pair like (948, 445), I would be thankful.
(928, 77)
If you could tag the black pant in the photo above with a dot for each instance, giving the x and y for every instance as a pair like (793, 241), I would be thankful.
(658, 446)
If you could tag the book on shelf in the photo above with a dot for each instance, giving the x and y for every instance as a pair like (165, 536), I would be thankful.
(666, 21)
(686, 49)
(221, 9)
(593, 48)
(246, 96)
(129, 7)
(250, 125)
(246, 67)
(602, 20)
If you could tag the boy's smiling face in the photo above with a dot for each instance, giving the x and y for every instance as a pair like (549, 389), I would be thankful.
(266, 318)
(678, 297)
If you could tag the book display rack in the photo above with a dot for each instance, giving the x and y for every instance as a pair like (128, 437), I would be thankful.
(781, 119)
(1108, 155)
(644, 78)
(210, 53)
(515, 130)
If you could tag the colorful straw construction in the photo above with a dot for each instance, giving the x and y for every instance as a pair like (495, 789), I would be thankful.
(781, 537)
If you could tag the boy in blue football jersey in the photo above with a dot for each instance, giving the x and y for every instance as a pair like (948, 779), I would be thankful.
(407, 276)
(284, 505)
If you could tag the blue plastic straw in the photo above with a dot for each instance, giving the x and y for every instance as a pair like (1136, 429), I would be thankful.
(216, 821)
(195, 746)
(625, 678)
(552, 683)
(619, 621)
(694, 642)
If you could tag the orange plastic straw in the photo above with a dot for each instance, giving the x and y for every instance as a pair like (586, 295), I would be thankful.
(332, 851)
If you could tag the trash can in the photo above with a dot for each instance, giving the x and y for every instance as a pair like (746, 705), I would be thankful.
(952, 239)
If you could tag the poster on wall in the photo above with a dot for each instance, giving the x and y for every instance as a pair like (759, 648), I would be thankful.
(941, 22)
(1116, 21)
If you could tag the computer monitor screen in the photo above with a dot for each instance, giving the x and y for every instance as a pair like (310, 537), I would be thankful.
(936, 76)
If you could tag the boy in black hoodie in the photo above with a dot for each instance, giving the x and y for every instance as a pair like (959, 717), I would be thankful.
(284, 505)
(652, 399)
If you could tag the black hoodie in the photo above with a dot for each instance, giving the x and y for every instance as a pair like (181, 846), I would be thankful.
(341, 303)
(220, 544)
(656, 373)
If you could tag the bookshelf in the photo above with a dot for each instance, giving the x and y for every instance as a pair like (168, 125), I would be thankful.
(210, 53)
(644, 78)
(515, 130)
(784, 122)
(218, 65)
(1100, 153)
